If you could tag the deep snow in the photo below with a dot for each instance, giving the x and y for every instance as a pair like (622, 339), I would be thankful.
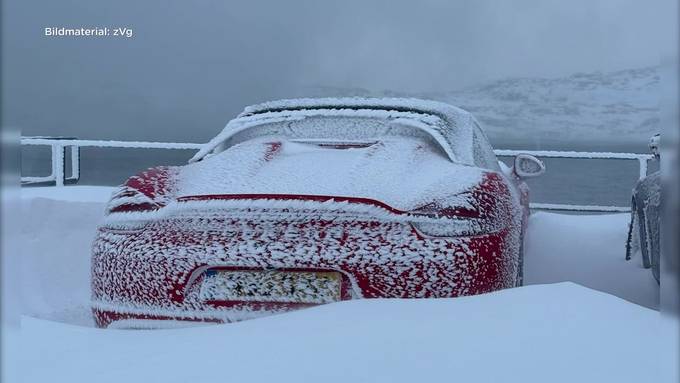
(588, 250)
(530, 334)
(558, 332)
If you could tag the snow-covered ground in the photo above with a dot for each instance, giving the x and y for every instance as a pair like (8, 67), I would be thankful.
(588, 250)
(542, 332)
(552, 333)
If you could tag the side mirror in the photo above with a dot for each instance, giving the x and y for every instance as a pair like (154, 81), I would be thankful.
(527, 166)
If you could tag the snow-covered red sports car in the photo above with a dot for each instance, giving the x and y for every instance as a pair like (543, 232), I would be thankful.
(304, 202)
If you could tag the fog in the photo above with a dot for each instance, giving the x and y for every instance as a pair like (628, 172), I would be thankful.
(191, 66)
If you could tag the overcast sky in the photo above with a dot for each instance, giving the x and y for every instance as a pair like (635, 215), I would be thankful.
(192, 65)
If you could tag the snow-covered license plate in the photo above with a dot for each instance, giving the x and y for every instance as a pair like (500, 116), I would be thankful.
(271, 286)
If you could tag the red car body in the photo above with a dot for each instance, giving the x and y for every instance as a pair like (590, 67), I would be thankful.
(304, 202)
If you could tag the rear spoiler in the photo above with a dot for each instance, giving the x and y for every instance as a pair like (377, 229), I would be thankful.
(433, 126)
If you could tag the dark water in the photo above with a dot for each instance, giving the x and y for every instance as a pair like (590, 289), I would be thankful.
(572, 181)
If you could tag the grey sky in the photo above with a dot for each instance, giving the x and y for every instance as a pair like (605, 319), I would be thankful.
(193, 65)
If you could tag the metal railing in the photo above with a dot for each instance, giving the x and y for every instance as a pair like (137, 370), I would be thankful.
(643, 159)
(59, 145)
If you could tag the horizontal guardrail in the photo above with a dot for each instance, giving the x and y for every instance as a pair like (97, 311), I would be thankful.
(108, 144)
(59, 144)
(581, 208)
(643, 159)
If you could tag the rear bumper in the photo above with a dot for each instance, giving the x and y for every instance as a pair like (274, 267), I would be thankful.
(111, 315)
(153, 272)
(122, 320)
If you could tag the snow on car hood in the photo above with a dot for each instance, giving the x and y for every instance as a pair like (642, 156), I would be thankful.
(403, 173)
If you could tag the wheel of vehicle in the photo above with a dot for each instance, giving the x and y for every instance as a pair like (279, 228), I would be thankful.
(652, 253)
(520, 272)
(633, 240)
(656, 271)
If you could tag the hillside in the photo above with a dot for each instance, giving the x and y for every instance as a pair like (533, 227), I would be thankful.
(616, 108)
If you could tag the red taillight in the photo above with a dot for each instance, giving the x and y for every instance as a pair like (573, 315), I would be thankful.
(148, 190)
(461, 215)
(127, 199)
(453, 210)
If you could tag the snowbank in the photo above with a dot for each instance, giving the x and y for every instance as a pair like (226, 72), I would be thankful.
(56, 236)
(556, 333)
(98, 194)
(588, 250)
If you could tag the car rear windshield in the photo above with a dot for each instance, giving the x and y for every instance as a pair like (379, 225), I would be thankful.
(336, 126)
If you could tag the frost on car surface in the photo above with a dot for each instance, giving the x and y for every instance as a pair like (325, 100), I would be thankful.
(304, 202)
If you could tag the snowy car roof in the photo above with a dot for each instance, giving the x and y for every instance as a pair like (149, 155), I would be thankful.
(451, 127)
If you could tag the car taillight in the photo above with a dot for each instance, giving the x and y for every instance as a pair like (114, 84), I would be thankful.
(461, 217)
(454, 227)
(127, 199)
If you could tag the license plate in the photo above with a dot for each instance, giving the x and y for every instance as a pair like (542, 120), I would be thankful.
(271, 286)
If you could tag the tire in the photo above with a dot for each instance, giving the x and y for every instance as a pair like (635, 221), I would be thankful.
(520, 274)
(633, 240)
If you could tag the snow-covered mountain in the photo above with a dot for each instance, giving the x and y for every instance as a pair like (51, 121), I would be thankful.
(615, 108)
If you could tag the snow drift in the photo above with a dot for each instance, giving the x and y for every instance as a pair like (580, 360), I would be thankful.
(556, 333)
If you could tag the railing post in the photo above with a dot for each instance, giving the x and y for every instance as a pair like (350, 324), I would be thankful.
(52, 160)
(75, 162)
(643, 166)
(58, 164)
